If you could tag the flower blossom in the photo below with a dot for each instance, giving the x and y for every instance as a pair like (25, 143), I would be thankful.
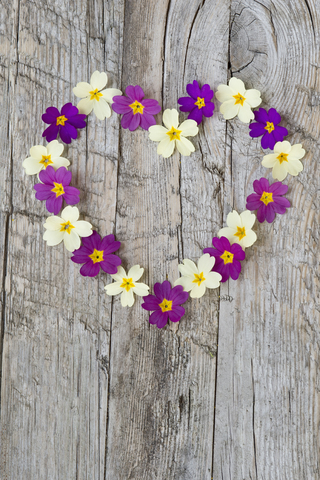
(165, 304)
(66, 228)
(196, 278)
(236, 100)
(199, 103)
(96, 253)
(239, 228)
(94, 96)
(41, 157)
(267, 126)
(64, 123)
(127, 285)
(268, 199)
(135, 109)
(227, 257)
(55, 188)
(284, 159)
(173, 135)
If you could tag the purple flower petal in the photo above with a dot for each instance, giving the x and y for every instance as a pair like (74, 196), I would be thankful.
(64, 135)
(151, 106)
(146, 121)
(261, 116)
(234, 272)
(196, 114)
(51, 132)
(126, 119)
(111, 264)
(279, 133)
(268, 141)
(138, 93)
(274, 116)
(176, 314)
(158, 318)
(54, 204)
(278, 188)
(135, 122)
(77, 121)
(43, 191)
(62, 175)
(270, 213)
(207, 111)
(206, 93)
(193, 89)
(238, 252)
(187, 104)
(256, 130)
(121, 108)
(130, 92)
(210, 250)
(48, 175)
(72, 131)
(150, 303)
(68, 110)
(261, 213)
(90, 269)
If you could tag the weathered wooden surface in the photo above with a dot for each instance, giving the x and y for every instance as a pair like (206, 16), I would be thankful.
(89, 390)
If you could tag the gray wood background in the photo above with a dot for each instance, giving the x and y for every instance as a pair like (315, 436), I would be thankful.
(88, 389)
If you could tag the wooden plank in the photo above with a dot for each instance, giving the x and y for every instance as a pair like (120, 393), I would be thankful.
(162, 384)
(267, 411)
(56, 344)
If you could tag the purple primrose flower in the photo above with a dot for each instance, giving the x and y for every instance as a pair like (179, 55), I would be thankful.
(95, 253)
(55, 187)
(227, 257)
(268, 199)
(268, 126)
(136, 110)
(64, 123)
(165, 303)
(200, 102)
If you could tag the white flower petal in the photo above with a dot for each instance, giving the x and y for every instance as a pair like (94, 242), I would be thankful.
(198, 291)
(166, 147)
(269, 160)
(71, 240)
(121, 273)
(113, 288)
(184, 146)
(85, 106)
(213, 280)
(279, 171)
(171, 118)
(247, 219)
(237, 86)
(141, 289)
(188, 267)
(189, 128)
(83, 228)
(229, 109)
(248, 240)
(127, 298)
(98, 80)
(253, 97)
(224, 93)
(282, 147)
(82, 89)
(158, 133)
(185, 282)
(228, 233)
(135, 272)
(245, 113)
(55, 149)
(37, 152)
(109, 93)
(59, 162)
(70, 213)
(234, 219)
(294, 167)
(53, 237)
(53, 223)
(297, 151)
(32, 166)
(205, 263)
(101, 109)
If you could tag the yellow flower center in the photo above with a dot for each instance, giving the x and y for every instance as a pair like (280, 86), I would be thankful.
(227, 257)
(282, 157)
(266, 198)
(200, 103)
(66, 227)
(58, 189)
(61, 120)
(166, 305)
(137, 107)
(269, 127)
(239, 99)
(198, 278)
(240, 233)
(95, 95)
(174, 134)
(96, 256)
(46, 160)
(127, 283)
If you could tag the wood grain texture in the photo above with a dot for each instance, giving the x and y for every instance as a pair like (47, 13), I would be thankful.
(90, 390)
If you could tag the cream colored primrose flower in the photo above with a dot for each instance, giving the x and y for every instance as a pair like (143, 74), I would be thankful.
(236, 100)
(127, 285)
(41, 157)
(197, 278)
(284, 160)
(239, 228)
(67, 228)
(95, 97)
(173, 135)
